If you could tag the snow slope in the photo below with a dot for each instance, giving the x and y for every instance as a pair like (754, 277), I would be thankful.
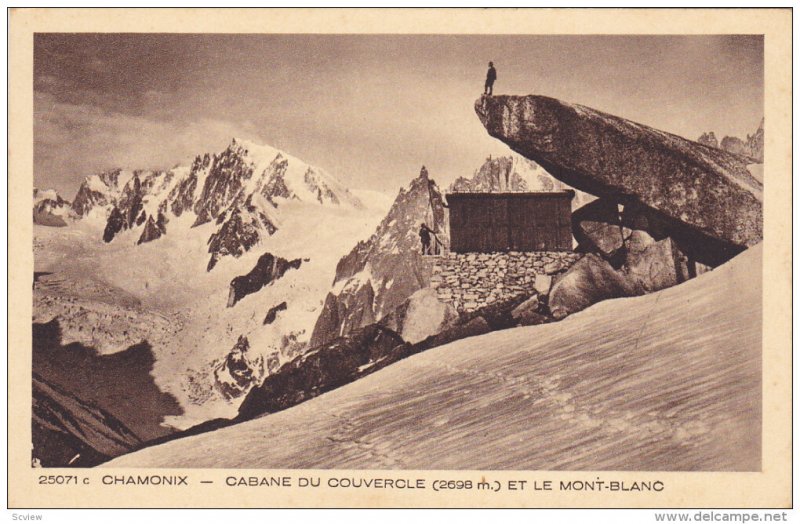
(666, 381)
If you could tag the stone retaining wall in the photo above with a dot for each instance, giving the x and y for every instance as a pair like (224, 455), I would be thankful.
(470, 281)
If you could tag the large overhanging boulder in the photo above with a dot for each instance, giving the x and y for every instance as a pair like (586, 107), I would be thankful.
(689, 184)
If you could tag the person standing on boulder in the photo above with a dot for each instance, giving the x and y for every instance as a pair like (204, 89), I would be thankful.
(425, 238)
(491, 76)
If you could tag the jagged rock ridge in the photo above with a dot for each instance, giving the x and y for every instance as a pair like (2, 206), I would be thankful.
(100, 192)
(709, 139)
(268, 269)
(513, 173)
(383, 271)
(752, 147)
(239, 191)
(49, 209)
(236, 373)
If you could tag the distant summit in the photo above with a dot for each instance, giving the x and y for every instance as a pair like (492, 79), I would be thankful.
(513, 173)
(49, 209)
(752, 147)
(239, 190)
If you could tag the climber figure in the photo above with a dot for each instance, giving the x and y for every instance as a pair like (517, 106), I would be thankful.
(425, 238)
(491, 76)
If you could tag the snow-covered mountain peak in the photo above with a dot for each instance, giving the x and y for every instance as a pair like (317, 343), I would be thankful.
(49, 209)
(240, 190)
(98, 193)
(44, 194)
(279, 175)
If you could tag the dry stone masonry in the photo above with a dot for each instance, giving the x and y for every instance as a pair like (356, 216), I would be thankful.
(469, 281)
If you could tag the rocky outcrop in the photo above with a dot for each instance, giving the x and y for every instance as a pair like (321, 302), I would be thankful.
(654, 265)
(129, 210)
(236, 373)
(241, 227)
(68, 432)
(323, 369)
(706, 192)
(530, 312)
(268, 269)
(272, 314)
(752, 147)
(755, 143)
(49, 209)
(709, 139)
(421, 316)
(100, 192)
(598, 227)
(589, 281)
(735, 145)
(379, 274)
(345, 312)
(115, 224)
(630, 253)
(153, 229)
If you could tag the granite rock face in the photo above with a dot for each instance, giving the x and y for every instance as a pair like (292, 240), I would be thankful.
(652, 264)
(268, 269)
(421, 316)
(322, 369)
(382, 272)
(752, 147)
(598, 226)
(237, 372)
(588, 282)
(705, 191)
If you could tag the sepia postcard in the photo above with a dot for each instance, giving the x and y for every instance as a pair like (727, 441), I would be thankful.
(400, 258)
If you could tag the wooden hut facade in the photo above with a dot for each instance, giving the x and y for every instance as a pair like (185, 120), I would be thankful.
(488, 222)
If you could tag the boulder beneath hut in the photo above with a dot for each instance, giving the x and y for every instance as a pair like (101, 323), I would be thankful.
(421, 316)
(597, 227)
(590, 280)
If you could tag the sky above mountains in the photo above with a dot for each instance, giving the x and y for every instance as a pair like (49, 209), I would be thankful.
(370, 109)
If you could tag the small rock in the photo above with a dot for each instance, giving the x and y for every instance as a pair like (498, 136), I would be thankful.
(542, 284)
(552, 267)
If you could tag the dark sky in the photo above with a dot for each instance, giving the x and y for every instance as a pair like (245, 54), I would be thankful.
(370, 109)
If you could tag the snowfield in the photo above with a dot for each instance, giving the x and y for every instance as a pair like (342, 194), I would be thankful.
(667, 381)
